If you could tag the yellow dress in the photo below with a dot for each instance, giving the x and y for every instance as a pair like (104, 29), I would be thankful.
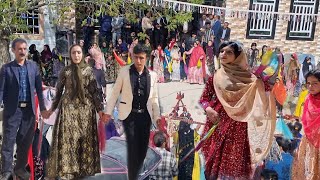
(196, 164)
(299, 107)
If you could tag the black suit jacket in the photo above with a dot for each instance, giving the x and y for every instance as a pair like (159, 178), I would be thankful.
(227, 36)
(9, 86)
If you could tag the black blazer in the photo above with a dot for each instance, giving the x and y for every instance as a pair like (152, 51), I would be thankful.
(9, 86)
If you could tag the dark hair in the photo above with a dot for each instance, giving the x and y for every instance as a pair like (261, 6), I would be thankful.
(159, 138)
(284, 143)
(140, 48)
(269, 174)
(76, 77)
(315, 73)
(31, 48)
(48, 47)
(234, 45)
(295, 128)
(91, 62)
(208, 23)
(17, 40)
(254, 44)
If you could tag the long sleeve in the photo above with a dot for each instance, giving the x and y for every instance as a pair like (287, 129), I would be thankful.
(2, 82)
(190, 51)
(207, 94)
(93, 92)
(117, 88)
(38, 86)
(59, 89)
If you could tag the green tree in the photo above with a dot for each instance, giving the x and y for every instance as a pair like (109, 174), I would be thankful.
(11, 11)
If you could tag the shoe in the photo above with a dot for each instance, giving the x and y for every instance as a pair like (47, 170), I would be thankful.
(22, 174)
(6, 176)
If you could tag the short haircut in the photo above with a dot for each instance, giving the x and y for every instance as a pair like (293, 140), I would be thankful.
(159, 138)
(140, 48)
(17, 40)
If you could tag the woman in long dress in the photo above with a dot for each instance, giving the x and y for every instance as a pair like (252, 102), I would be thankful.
(307, 161)
(196, 73)
(112, 66)
(175, 56)
(75, 148)
(158, 63)
(292, 73)
(246, 115)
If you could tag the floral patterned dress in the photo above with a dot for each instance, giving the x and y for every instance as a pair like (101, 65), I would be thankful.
(75, 147)
(112, 69)
(227, 151)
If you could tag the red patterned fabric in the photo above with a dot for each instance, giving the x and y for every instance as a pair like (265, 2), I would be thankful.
(311, 119)
(227, 151)
(102, 136)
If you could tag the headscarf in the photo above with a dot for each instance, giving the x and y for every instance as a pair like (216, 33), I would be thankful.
(96, 54)
(279, 91)
(77, 78)
(292, 67)
(32, 49)
(244, 99)
(306, 65)
(311, 119)
(34, 53)
(46, 54)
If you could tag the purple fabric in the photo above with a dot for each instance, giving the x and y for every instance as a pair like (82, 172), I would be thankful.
(111, 130)
(209, 51)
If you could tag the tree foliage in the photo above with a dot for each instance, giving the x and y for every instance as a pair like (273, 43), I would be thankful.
(12, 12)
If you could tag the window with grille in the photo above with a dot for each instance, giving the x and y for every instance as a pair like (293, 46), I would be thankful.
(262, 23)
(32, 22)
(302, 26)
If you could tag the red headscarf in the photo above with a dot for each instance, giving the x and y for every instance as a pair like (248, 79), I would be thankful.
(311, 119)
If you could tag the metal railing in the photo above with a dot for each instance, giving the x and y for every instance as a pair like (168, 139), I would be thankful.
(261, 24)
(301, 26)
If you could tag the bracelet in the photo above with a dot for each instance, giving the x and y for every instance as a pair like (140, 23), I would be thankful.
(205, 105)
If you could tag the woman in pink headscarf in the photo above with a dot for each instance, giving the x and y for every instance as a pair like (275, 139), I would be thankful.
(307, 161)
(97, 55)
(196, 73)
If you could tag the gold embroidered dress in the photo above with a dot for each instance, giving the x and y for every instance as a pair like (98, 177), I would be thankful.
(75, 147)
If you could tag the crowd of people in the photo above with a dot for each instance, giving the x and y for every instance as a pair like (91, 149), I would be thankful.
(186, 54)
(240, 102)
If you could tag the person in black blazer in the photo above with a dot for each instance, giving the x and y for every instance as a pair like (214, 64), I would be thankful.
(224, 32)
(19, 81)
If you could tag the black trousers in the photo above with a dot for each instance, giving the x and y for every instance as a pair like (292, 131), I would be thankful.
(17, 128)
(137, 130)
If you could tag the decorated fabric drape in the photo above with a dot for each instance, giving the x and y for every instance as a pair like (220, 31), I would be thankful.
(236, 12)
(311, 119)
(244, 98)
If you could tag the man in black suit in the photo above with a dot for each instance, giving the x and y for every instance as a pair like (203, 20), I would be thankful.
(19, 80)
(224, 32)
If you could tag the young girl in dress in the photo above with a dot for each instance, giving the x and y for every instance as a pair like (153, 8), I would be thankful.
(307, 161)
(158, 63)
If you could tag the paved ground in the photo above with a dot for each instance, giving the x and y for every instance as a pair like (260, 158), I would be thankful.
(168, 93)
